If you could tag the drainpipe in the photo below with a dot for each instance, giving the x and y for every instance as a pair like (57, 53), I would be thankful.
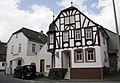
(118, 40)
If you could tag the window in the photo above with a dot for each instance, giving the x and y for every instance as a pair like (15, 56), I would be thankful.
(19, 62)
(57, 55)
(72, 20)
(78, 55)
(62, 20)
(88, 33)
(12, 49)
(3, 64)
(66, 20)
(51, 38)
(69, 19)
(33, 48)
(77, 35)
(19, 50)
(90, 55)
(65, 36)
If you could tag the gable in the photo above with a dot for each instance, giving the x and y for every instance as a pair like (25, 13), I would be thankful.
(72, 17)
(72, 29)
(32, 35)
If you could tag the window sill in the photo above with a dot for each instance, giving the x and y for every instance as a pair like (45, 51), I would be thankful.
(90, 61)
(79, 61)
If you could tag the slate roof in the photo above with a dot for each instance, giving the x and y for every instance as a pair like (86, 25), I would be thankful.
(34, 36)
(112, 43)
(3, 51)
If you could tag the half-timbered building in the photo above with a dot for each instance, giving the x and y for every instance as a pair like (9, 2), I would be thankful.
(78, 44)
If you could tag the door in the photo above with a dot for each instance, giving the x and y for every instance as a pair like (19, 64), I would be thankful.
(42, 65)
(66, 59)
(19, 62)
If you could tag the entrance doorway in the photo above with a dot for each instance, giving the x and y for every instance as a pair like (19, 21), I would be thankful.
(66, 59)
(19, 62)
(42, 65)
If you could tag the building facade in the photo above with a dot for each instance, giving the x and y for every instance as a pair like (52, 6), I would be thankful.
(3, 50)
(24, 48)
(78, 44)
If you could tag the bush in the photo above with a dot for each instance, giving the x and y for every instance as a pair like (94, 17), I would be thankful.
(57, 73)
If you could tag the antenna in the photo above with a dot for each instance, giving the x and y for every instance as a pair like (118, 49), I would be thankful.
(53, 17)
(71, 4)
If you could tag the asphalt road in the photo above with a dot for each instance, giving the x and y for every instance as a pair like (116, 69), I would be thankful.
(9, 79)
(14, 80)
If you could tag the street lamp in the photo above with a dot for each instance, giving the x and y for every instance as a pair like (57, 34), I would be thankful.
(117, 31)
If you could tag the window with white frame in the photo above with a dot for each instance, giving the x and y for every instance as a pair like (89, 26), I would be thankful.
(65, 36)
(72, 20)
(77, 35)
(62, 20)
(88, 33)
(51, 38)
(66, 20)
(90, 55)
(78, 55)
(19, 50)
(33, 48)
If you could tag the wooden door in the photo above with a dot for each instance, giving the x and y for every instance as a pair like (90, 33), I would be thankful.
(42, 65)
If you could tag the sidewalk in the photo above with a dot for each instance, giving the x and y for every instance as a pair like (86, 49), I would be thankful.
(2, 73)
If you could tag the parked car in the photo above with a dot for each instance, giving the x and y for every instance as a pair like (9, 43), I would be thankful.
(25, 72)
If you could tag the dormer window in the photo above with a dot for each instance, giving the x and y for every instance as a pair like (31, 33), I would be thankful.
(88, 33)
(77, 35)
(51, 38)
(65, 36)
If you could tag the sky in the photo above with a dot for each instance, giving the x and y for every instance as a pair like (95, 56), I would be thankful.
(38, 14)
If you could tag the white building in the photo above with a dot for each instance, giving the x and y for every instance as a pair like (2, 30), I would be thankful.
(3, 49)
(27, 47)
(78, 44)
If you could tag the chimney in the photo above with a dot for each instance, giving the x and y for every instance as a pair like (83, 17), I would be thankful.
(41, 32)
